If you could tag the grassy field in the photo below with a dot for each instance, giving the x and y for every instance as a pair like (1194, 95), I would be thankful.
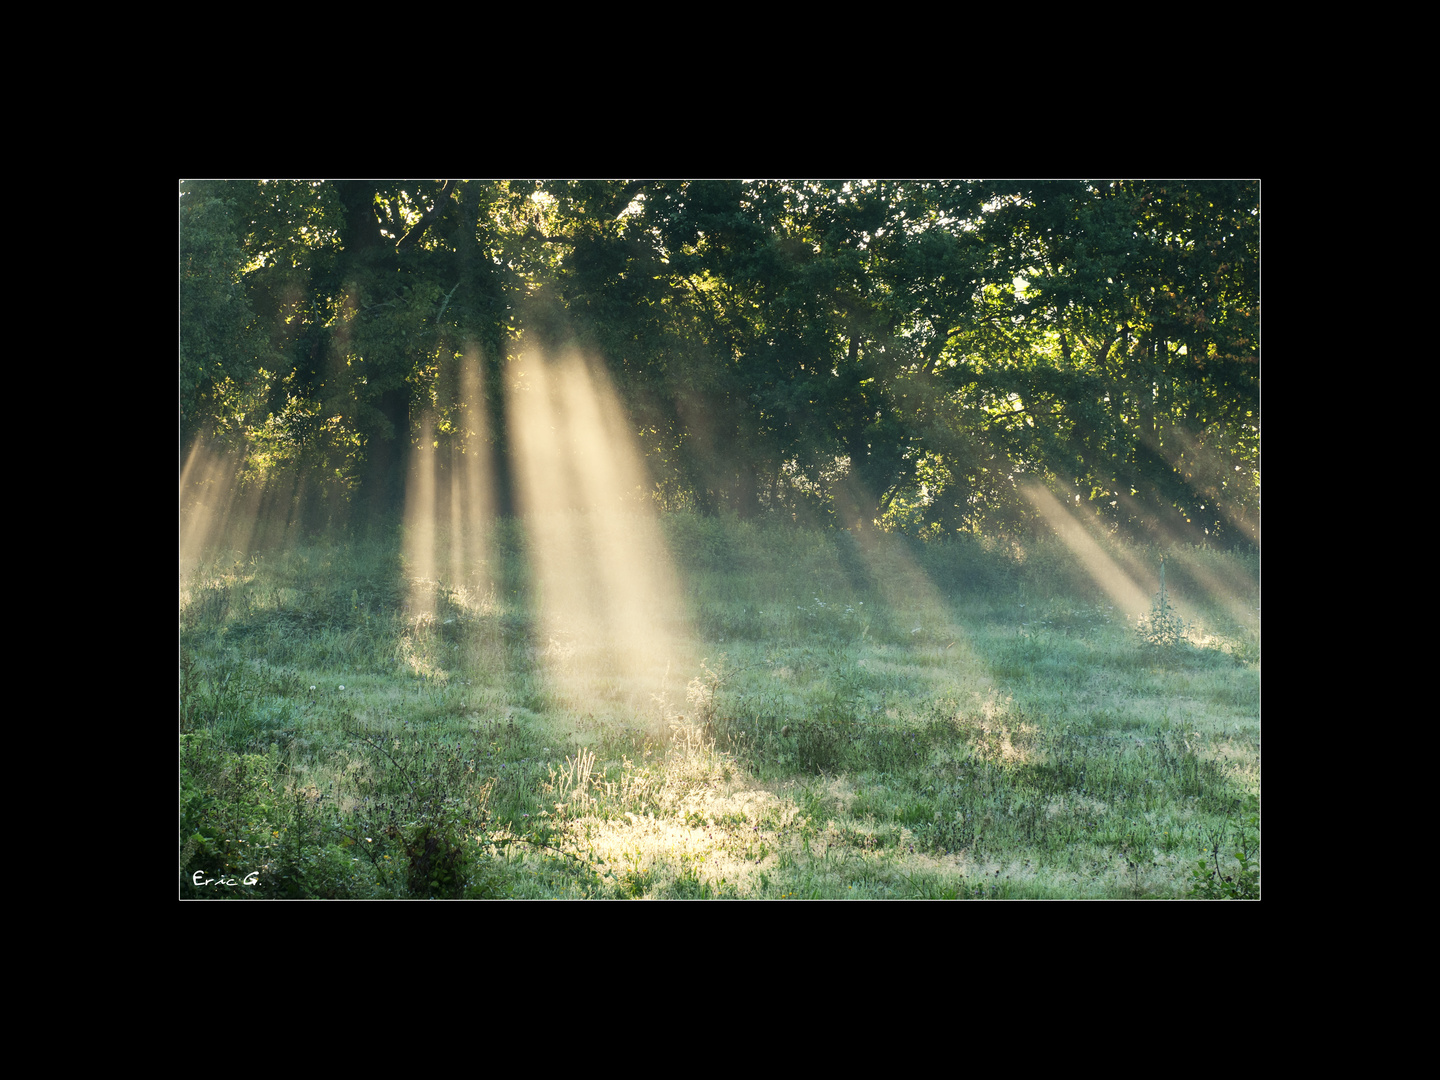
(709, 708)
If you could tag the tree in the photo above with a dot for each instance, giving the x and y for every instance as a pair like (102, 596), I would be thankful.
(901, 352)
(358, 294)
(1126, 364)
(760, 328)
(221, 345)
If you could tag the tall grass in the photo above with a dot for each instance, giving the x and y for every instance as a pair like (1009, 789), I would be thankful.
(872, 719)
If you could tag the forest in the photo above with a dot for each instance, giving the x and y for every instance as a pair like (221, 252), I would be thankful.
(901, 355)
(750, 539)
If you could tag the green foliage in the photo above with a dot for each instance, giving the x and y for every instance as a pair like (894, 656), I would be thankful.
(221, 345)
(251, 827)
(830, 352)
(227, 805)
(438, 858)
(1163, 628)
(423, 793)
(1212, 881)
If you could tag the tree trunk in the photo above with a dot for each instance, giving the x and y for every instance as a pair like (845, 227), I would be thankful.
(367, 265)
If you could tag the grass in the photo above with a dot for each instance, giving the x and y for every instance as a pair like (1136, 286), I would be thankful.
(860, 720)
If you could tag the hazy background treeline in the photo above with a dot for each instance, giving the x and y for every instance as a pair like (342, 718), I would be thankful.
(932, 357)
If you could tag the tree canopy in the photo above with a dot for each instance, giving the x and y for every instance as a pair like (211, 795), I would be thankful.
(893, 354)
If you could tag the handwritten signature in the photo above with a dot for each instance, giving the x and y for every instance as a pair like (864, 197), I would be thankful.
(199, 879)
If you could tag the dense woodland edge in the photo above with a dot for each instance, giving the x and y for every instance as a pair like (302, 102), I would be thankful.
(935, 358)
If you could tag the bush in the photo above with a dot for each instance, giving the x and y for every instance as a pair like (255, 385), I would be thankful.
(1211, 881)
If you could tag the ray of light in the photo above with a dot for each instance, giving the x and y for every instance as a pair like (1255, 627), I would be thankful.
(472, 497)
(233, 508)
(449, 503)
(1205, 461)
(1119, 585)
(1224, 582)
(906, 591)
(904, 587)
(207, 494)
(616, 633)
(420, 523)
(1130, 583)
(218, 513)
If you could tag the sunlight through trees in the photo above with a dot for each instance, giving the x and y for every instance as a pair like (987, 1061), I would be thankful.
(912, 356)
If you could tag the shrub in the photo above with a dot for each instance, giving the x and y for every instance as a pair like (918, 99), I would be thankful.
(1210, 881)
(1163, 629)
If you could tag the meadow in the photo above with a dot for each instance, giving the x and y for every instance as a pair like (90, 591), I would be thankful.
(746, 711)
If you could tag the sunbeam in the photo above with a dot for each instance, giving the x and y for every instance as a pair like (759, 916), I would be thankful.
(472, 495)
(1118, 585)
(420, 522)
(614, 626)
(901, 584)
(207, 492)
(449, 501)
